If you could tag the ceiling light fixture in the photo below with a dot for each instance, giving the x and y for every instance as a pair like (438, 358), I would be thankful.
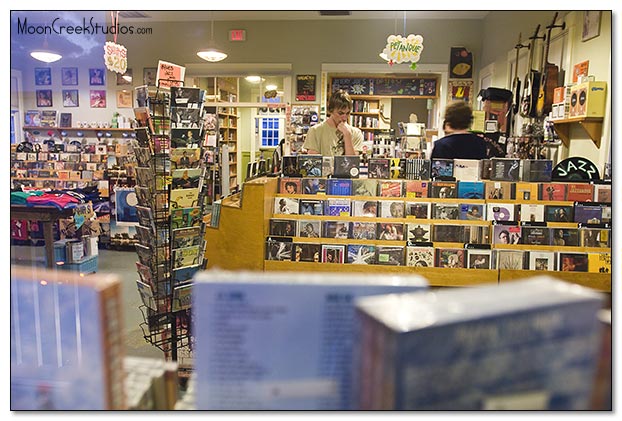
(45, 54)
(271, 87)
(254, 79)
(212, 53)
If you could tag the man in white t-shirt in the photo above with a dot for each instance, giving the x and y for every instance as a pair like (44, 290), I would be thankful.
(335, 136)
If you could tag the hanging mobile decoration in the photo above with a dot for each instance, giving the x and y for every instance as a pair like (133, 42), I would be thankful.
(115, 55)
(401, 49)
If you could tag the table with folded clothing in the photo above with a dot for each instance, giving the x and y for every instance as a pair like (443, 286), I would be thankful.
(47, 208)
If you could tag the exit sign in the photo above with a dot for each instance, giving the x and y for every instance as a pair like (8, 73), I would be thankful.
(237, 35)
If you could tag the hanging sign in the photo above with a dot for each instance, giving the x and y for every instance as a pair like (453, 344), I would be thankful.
(115, 57)
(401, 49)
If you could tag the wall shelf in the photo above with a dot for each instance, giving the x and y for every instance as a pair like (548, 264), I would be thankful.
(593, 126)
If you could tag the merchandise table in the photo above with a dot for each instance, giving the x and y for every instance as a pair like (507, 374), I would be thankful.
(47, 215)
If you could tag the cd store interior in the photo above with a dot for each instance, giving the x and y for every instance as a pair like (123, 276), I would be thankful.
(175, 247)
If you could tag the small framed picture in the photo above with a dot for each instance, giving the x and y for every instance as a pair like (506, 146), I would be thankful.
(125, 78)
(98, 98)
(97, 77)
(71, 98)
(124, 98)
(43, 76)
(44, 97)
(149, 76)
(591, 24)
(69, 76)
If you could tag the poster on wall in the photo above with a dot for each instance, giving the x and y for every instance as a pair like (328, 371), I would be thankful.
(460, 63)
(460, 90)
(305, 87)
(125, 205)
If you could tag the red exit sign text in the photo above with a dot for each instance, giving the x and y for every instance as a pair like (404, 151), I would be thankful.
(237, 35)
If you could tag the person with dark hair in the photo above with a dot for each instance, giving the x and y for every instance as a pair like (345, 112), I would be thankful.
(291, 187)
(335, 136)
(459, 142)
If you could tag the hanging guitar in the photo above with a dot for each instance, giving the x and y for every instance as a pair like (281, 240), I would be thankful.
(550, 75)
(532, 81)
(513, 110)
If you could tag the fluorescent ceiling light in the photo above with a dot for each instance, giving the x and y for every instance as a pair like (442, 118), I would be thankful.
(254, 79)
(271, 87)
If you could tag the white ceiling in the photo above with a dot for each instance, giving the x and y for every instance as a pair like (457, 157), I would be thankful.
(257, 15)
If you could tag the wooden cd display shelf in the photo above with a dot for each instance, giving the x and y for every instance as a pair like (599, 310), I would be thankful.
(238, 243)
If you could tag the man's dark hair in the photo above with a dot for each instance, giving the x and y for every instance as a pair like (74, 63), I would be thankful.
(339, 100)
(459, 115)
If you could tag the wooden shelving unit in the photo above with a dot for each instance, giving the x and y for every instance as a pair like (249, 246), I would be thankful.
(238, 243)
(365, 113)
(593, 126)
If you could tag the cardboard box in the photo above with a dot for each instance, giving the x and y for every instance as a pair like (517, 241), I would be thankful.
(588, 99)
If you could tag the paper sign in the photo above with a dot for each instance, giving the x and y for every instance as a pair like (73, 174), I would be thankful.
(115, 57)
(169, 74)
(403, 50)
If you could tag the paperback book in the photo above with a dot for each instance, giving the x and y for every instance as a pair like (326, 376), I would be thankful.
(182, 297)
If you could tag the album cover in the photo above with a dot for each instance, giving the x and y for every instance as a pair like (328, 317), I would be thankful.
(441, 168)
(526, 191)
(502, 190)
(310, 165)
(448, 233)
(536, 170)
(361, 254)
(397, 168)
(602, 193)
(553, 213)
(337, 207)
(531, 213)
(506, 234)
(572, 262)
(335, 229)
(511, 259)
(390, 231)
(443, 189)
(285, 205)
(599, 262)
(143, 118)
(364, 187)
(188, 256)
(307, 252)
(313, 185)
(289, 185)
(186, 217)
(346, 166)
(290, 166)
(564, 236)
(185, 157)
(333, 253)
(553, 191)
(470, 189)
(363, 230)
(467, 169)
(145, 217)
(505, 169)
(579, 192)
(419, 256)
(388, 188)
(279, 248)
(500, 212)
(445, 211)
(606, 208)
(390, 255)
(339, 187)
(450, 258)
(479, 258)
(186, 237)
(367, 208)
(418, 233)
(310, 228)
(535, 235)
(183, 96)
(391, 209)
(541, 260)
(378, 168)
(311, 207)
(416, 188)
(418, 169)
(328, 164)
(595, 237)
(185, 138)
(419, 210)
(283, 227)
(184, 198)
(588, 213)
(472, 212)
